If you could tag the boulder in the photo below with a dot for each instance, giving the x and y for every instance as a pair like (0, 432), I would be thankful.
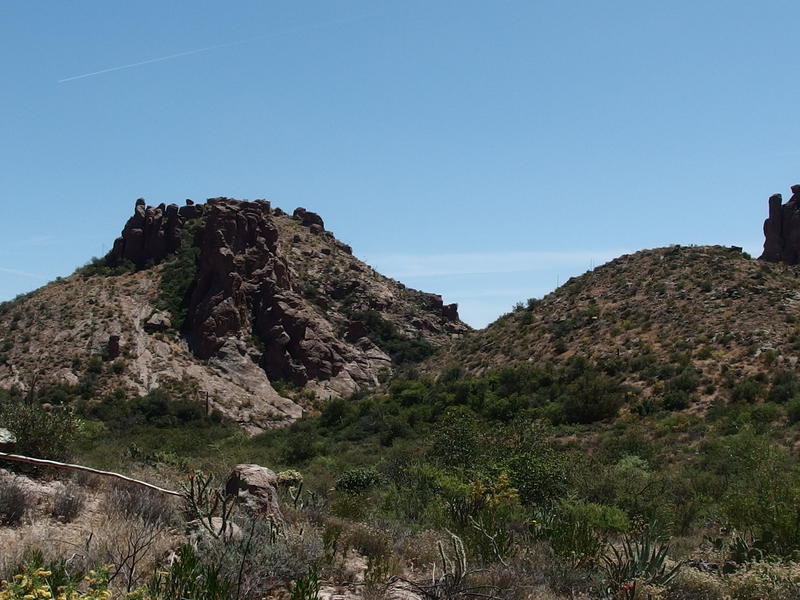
(256, 488)
(450, 312)
(309, 219)
(159, 321)
(8, 440)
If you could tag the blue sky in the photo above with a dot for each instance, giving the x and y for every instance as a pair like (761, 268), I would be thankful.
(482, 150)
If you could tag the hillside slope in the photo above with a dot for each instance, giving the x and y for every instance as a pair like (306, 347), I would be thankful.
(710, 312)
(228, 298)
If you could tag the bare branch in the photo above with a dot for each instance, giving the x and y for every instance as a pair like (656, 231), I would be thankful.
(59, 465)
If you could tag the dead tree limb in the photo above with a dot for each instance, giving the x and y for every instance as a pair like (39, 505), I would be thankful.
(59, 465)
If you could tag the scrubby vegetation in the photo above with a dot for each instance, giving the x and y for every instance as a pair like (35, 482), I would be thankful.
(576, 451)
(179, 275)
(385, 334)
(558, 480)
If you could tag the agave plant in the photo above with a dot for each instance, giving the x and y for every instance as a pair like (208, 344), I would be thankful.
(640, 557)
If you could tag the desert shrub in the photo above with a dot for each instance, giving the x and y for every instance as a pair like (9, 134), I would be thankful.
(747, 390)
(40, 433)
(179, 275)
(536, 469)
(571, 538)
(631, 440)
(101, 267)
(189, 577)
(419, 548)
(693, 584)
(591, 397)
(686, 381)
(602, 518)
(456, 439)
(368, 541)
(784, 386)
(677, 399)
(761, 491)
(753, 581)
(302, 444)
(162, 407)
(14, 502)
(68, 502)
(765, 581)
(289, 479)
(129, 501)
(358, 481)
(385, 334)
(793, 411)
(264, 554)
(132, 546)
(334, 411)
(624, 484)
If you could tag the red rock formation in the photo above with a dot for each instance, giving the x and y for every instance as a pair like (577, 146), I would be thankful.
(782, 229)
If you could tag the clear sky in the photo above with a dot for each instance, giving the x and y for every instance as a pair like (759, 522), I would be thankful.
(482, 150)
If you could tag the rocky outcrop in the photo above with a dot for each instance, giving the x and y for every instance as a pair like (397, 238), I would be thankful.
(256, 487)
(782, 229)
(308, 218)
(245, 288)
(151, 233)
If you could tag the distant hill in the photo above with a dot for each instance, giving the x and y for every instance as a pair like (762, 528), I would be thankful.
(232, 299)
(688, 323)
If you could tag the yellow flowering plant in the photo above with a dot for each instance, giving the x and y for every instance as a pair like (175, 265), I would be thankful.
(34, 583)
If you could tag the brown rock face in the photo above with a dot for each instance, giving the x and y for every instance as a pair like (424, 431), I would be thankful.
(782, 229)
(245, 288)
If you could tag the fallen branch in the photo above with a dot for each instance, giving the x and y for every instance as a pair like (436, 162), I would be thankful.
(59, 465)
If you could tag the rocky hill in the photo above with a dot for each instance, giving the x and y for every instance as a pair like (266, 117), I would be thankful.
(710, 315)
(228, 298)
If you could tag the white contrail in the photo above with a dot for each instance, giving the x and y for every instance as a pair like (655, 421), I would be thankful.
(152, 60)
(289, 31)
(21, 273)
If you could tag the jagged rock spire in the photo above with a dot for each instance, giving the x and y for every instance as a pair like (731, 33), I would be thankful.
(782, 229)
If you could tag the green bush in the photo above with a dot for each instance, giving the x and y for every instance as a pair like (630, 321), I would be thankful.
(676, 400)
(179, 275)
(358, 481)
(40, 433)
(793, 411)
(591, 397)
(747, 390)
